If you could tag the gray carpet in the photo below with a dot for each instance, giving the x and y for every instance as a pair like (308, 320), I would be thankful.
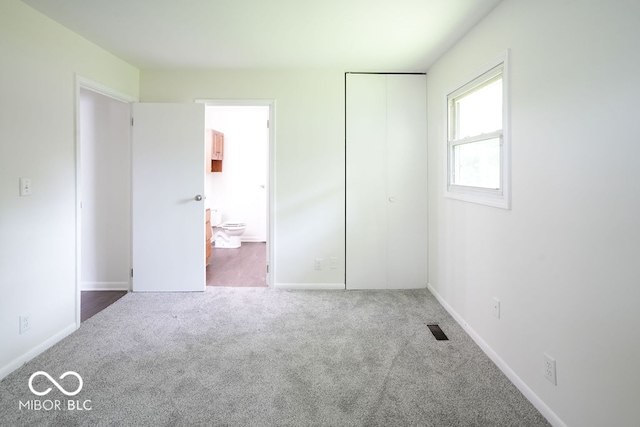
(259, 357)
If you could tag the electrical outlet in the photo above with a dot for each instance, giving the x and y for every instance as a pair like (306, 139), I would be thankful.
(550, 369)
(318, 263)
(496, 307)
(25, 323)
(334, 262)
(25, 187)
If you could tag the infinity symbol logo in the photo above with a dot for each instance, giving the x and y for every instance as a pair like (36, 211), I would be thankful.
(42, 393)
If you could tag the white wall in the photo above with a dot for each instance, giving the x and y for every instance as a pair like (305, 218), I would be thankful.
(564, 260)
(309, 157)
(37, 140)
(240, 190)
(105, 192)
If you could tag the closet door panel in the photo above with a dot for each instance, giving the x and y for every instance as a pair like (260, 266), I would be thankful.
(366, 217)
(406, 159)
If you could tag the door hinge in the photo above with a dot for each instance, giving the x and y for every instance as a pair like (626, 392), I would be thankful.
(132, 272)
(267, 268)
(131, 121)
(267, 124)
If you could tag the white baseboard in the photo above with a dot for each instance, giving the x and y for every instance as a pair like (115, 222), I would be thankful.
(501, 364)
(104, 286)
(310, 286)
(252, 239)
(366, 287)
(24, 358)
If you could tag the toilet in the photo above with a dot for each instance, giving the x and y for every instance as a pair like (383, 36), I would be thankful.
(226, 234)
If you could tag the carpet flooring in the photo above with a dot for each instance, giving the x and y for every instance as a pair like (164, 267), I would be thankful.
(261, 357)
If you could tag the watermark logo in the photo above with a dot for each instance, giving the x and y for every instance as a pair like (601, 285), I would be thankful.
(55, 404)
(66, 374)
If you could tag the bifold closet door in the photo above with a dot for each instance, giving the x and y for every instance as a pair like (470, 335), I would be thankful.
(386, 181)
(366, 132)
(406, 181)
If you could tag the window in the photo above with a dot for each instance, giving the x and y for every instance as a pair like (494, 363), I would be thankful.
(478, 166)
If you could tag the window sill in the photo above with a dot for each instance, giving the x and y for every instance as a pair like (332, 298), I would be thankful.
(478, 196)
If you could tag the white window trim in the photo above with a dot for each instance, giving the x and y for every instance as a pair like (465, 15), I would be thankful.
(497, 198)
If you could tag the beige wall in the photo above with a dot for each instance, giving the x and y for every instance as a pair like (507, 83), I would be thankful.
(37, 140)
(564, 260)
(309, 157)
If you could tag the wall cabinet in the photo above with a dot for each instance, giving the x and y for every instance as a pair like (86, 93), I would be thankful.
(208, 234)
(215, 150)
(386, 181)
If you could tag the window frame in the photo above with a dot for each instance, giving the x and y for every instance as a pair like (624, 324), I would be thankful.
(500, 197)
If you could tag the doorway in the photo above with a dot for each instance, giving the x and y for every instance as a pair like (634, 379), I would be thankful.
(238, 191)
(103, 197)
(125, 165)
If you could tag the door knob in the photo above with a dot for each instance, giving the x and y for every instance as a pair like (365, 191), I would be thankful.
(198, 198)
(392, 199)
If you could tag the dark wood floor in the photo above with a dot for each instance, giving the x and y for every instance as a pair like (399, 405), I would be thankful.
(245, 266)
(93, 302)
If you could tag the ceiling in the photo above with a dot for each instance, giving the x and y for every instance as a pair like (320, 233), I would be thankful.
(354, 35)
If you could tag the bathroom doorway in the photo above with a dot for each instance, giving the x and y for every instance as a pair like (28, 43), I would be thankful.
(238, 191)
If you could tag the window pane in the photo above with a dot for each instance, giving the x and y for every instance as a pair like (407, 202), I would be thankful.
(479, 111)
(477, 164)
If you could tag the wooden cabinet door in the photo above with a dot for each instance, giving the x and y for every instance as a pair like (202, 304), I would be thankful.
(208, 150)
(218, 145)
(215, 150)
(208, 235)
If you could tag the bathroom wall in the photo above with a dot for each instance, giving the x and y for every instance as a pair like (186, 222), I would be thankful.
(240, 190)
(309, 157)
(564, 260)
(37, 140)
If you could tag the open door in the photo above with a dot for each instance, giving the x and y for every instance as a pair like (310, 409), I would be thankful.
(168, 214)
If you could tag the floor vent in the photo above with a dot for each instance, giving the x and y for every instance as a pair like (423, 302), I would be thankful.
(437, 332)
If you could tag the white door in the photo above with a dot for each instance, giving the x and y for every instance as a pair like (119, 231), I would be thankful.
(366, 225)
(406, 161)
(261, 171)
(168, 224)
(386, 204)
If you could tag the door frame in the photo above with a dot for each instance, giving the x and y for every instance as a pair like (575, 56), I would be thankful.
(91, 85)
(271, 181)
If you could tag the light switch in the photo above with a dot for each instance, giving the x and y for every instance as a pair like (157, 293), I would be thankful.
(25, 186)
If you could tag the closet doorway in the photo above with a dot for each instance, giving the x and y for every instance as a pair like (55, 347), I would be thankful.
(386, 181)
(103, 197)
